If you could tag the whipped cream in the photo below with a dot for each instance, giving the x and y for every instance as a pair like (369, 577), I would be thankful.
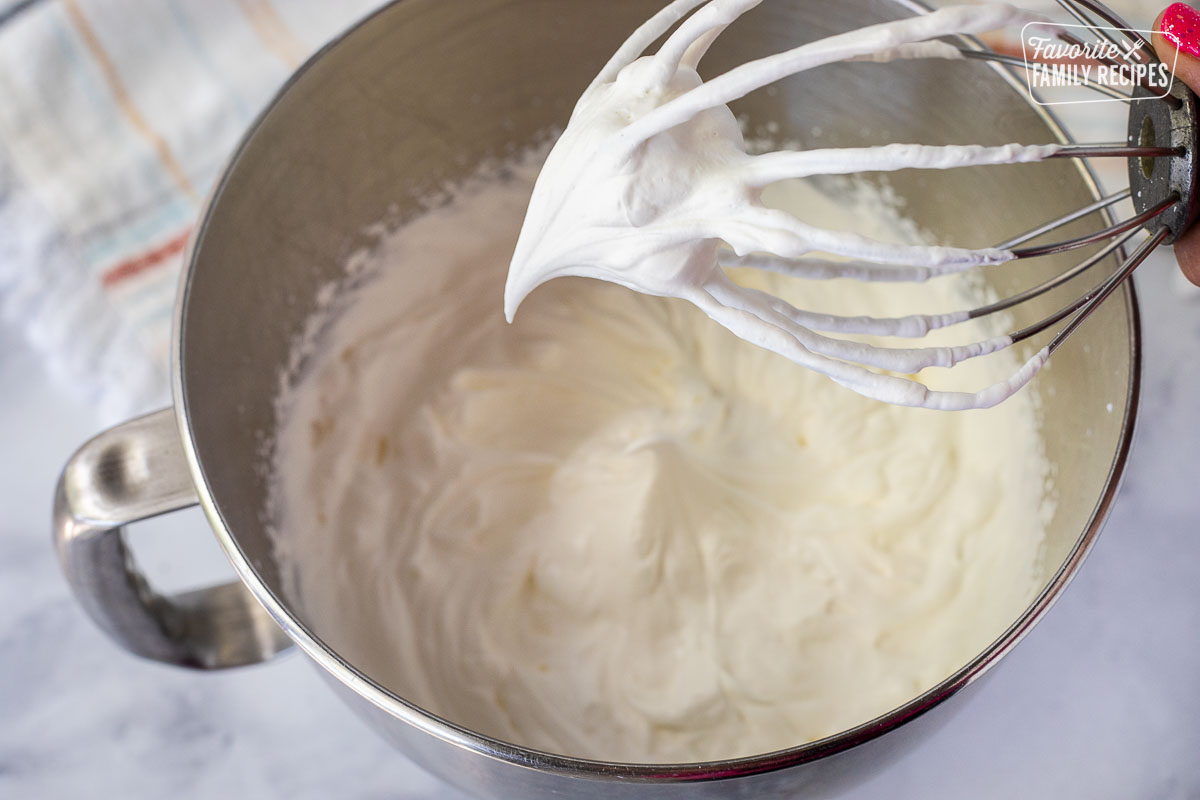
(614, 530)
(650, 187)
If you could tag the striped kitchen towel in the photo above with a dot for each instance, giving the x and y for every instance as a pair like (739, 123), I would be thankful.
(115, 117)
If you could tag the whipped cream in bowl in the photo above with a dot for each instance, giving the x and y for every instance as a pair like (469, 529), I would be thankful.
(615, 531)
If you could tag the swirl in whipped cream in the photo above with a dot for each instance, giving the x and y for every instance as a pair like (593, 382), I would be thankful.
(614, 530)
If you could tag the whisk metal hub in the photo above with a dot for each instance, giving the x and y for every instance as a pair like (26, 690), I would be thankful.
(1173, 124)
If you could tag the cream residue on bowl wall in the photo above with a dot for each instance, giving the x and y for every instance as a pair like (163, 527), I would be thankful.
(613, 530)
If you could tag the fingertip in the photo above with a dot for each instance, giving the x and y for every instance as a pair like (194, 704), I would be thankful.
(1176, 40)
(1176, 31)
(1187, 253)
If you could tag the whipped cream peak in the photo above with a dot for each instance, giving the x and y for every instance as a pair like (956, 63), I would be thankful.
(651, 187)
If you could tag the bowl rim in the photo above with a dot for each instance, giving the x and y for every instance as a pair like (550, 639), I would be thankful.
(634, 772)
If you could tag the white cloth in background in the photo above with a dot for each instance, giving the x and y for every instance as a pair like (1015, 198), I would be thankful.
(115, 118)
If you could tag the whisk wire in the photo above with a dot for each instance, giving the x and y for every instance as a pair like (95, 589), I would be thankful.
(1089, 302)
(1095, 29)
(1058, 280)
(1131, 223)
(1066, 219)
(1115, 151)
(1114, 20)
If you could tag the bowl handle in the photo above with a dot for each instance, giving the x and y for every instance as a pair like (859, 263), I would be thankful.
(128, 473)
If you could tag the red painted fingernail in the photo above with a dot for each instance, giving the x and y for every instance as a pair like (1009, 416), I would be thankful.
(1181, 27)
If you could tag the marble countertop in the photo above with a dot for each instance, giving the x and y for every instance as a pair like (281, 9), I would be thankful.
(1102, 700)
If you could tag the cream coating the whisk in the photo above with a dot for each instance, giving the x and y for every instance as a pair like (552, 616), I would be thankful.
(651, 187)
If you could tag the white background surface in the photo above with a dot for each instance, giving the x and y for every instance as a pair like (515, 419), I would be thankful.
(1102, 700)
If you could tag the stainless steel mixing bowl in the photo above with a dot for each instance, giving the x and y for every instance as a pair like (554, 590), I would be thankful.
(418, 94)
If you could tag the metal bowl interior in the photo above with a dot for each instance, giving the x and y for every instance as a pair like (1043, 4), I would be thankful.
(423, 92)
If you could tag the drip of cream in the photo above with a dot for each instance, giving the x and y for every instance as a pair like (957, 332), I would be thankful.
(612, 529)
(650, 187)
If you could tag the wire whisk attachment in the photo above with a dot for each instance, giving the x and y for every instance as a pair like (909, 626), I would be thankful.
(650, 187)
